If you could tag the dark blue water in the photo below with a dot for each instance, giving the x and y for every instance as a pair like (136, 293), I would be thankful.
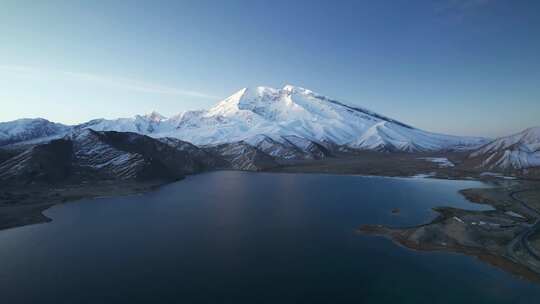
(233, 237)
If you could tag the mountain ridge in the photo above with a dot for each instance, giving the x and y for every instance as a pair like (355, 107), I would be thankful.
(277, 114)
(519, 151)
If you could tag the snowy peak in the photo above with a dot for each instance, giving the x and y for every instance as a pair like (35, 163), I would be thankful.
(289, 87)
(143, 124)
(518, 151)
(154, 117)
(298, 90)
(288, 103)
(229, 105)
(257, 100)
(296, 111)
(27, 129)
(528, 139)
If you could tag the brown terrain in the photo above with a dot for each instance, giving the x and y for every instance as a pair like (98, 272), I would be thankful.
(20, 206)
(507, 237)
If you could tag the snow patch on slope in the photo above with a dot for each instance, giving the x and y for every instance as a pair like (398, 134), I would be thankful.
(92, 152)
(28, 129)
(518, 151)
(443, 162)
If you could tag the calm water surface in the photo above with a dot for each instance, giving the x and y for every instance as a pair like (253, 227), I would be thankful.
(236, 237)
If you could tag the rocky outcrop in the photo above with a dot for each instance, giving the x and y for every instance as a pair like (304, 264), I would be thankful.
(89, 155)
(243, 156)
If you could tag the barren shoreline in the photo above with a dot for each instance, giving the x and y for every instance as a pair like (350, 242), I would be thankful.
(24, 205)
(506, 237)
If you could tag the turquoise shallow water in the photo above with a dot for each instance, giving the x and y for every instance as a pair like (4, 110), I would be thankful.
(237, 237)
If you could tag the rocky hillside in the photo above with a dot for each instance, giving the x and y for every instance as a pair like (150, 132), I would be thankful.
(89, 154)
(243, 156)
(50, 162)
(515, 153)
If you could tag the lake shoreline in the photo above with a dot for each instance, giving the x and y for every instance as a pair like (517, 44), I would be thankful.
(232, 222)
(33, 200)
(22, 205)
(506, 237)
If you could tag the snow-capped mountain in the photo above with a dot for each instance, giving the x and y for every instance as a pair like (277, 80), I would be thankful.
(253, 129)
(27, 129)
(290, 112)
(143, 124)
(518, 151)
(291, 117)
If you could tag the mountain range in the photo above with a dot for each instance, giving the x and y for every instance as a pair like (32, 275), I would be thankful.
(256, 127)
(276, 113)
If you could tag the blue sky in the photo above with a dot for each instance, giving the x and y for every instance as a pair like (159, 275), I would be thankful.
(467, 67)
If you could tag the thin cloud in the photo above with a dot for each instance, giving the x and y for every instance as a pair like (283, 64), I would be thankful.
(116, 82)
